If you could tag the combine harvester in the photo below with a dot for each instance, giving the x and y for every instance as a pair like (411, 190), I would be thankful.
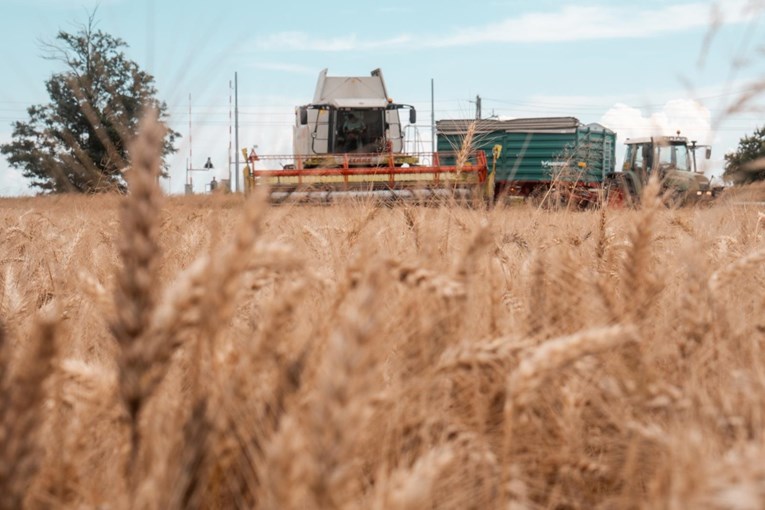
(349, 143)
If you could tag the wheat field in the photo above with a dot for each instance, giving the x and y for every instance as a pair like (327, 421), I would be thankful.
(214, 352)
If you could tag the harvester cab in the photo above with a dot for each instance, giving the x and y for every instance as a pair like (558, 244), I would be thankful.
(672, 159)
(350, 115)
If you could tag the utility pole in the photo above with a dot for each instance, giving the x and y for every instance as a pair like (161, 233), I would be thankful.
(230, 129)
(478, 107)
(236, 132)
(188, 187)
(432, 118)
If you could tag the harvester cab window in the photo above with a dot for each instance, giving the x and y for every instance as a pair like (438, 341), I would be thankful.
(360, 131)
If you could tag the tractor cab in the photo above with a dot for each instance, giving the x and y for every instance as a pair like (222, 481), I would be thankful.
(647, 156)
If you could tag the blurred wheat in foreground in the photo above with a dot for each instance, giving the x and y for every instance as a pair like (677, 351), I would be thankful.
(210, 352)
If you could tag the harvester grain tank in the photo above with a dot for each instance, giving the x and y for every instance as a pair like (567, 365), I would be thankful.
(672, 159)
(544, 160)
(349, 142)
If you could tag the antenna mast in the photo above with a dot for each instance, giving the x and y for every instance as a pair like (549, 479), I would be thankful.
(236, 131)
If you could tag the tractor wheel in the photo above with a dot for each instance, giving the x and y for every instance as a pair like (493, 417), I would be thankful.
(617, 193)
(672, 199)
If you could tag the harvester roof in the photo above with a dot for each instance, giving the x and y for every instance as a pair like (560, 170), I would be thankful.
(351, 91)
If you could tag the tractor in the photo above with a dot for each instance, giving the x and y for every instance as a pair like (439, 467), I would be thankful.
(672, 159)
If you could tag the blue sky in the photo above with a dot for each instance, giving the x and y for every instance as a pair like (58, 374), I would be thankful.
(635, 67)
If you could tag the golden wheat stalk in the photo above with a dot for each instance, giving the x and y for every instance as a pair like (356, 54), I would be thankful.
(21, 408)
(463, 154)
(135, 295)
(411, 488)
(739, 267)
(553, 355)
(639, 282)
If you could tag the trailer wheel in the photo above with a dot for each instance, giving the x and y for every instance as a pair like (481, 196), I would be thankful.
(535, 196)
(543, 197)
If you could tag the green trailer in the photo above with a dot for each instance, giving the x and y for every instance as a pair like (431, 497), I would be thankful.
(539, 158)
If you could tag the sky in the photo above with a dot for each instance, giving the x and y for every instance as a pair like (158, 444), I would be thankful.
(639, 68)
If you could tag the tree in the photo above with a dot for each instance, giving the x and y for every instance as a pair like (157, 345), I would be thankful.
(747, 164)
(77, 142)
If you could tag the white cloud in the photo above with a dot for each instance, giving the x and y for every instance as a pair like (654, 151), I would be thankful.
(12, 183)
(299, 41)
(390, 9)
(690, 117)
(286, 68)
(67, 4)
(581, 22)
(571, 23)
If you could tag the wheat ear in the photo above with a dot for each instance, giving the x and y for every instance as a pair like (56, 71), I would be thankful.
(411, 488)
(21, 404)
(552, 355)
(139, 252)
(466, 148)
(639, 283)
(740, 266)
